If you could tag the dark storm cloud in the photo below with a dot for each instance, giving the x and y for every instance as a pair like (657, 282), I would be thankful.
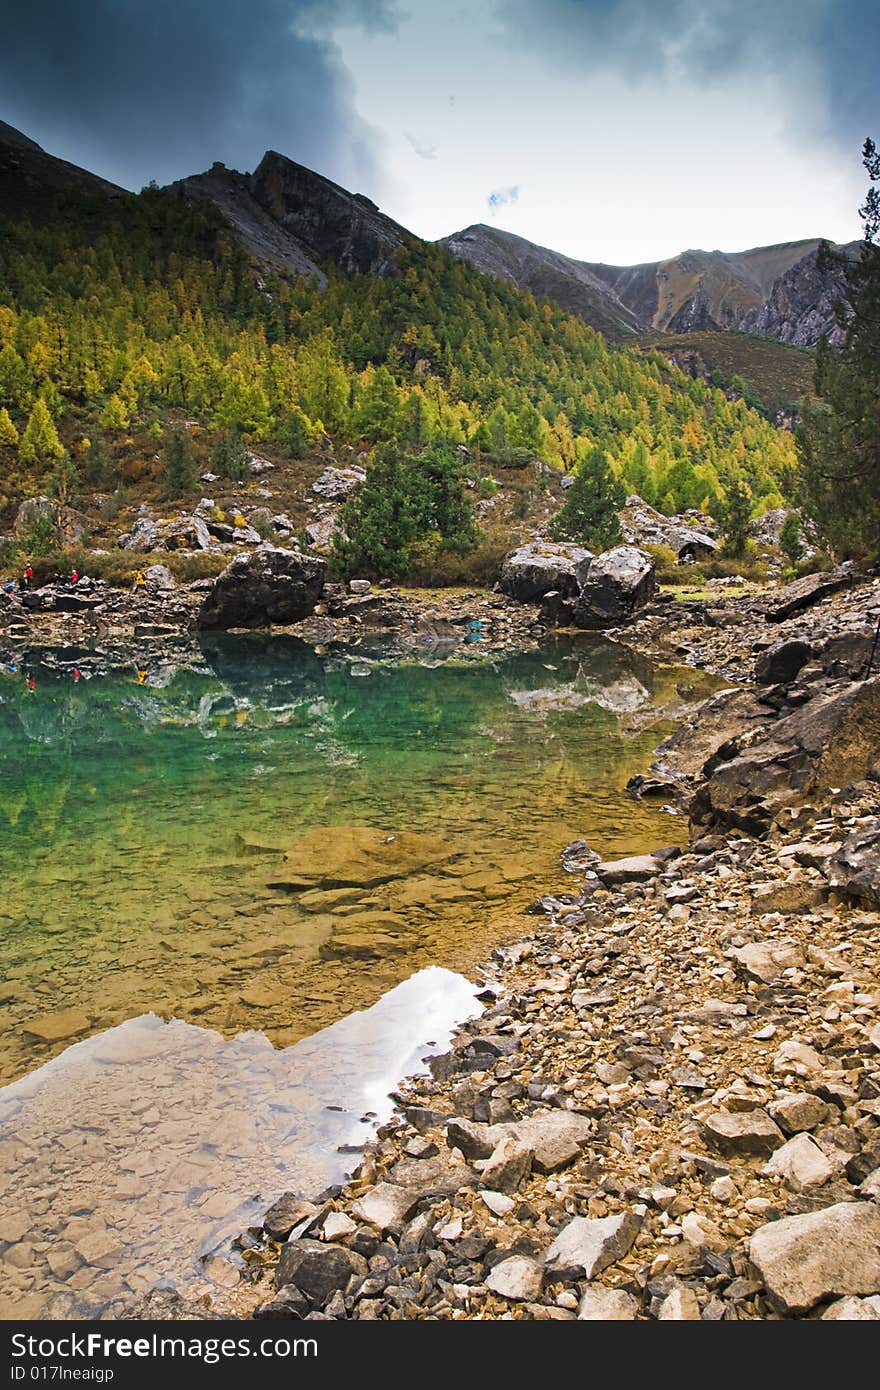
(702, 40)
(143, 89)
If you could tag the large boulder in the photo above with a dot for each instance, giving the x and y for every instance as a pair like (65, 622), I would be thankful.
(543, 567)
(613, 586)
(143, 536)
(831, 741)
(269, 586)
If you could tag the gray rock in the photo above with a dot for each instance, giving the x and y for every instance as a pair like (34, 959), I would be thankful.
(266, 587)
(855, 868)
(143, 536)
(634, 869)
(386, 1206)
(801, 1164)
(831, 741)
(803, 593)
(439, 1176)
(833, 1253)
(509, 1164)
(359, 586)
(642, 524)
(518, 1278)
(781, 663)
(159, 577)
(765, 960)
(745, 1132)
(286, 1213)
(588, 1245)
(613, 587)
(679, 1305)
(601, 1304)
(543, 567)
(335, 484)
(797, 1112)
(318, 1269)
(32, 512)
(853, 1310)
(554, 1137)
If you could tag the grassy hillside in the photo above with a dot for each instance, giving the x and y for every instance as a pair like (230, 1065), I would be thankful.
(778, 374)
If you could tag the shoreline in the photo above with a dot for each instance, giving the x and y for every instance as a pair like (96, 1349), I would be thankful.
(671, 1106)
(566, 1158)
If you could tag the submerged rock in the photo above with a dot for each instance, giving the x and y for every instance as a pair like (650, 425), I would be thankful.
(342, 856)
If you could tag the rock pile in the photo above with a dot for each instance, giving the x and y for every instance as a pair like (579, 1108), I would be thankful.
(671, 1110)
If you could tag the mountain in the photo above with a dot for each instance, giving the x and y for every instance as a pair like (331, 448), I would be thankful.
(548, 274)
(291, 219)
(773, 291)
(32, 180)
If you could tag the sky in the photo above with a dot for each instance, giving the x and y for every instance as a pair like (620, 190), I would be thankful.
(611, 130)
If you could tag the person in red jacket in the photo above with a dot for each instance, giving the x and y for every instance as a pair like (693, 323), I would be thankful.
(74, 577)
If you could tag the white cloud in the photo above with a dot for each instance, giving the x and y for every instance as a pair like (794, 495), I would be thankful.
(615, 171)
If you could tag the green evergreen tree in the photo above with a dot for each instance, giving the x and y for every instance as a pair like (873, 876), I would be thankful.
(839, 436)
(230, 458)
(446, 503)
(735, 514)
(177, 452)
(382, 520)
(293, 435)
(790, 542)
(97, 465)
(589, 515)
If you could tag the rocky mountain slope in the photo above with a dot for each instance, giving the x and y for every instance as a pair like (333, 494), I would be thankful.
(548, 274)
(291, 219)
(32, 180)
(774, 291)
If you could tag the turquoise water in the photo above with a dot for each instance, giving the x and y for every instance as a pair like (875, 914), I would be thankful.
(145, 813)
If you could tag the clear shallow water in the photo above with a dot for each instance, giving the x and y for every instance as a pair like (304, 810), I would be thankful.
(168, 1140)
(411, 808)
(143, 824)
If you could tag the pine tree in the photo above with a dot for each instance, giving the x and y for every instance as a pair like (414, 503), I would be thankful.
(293, 434)
(40, 443)
(230, 458)
(64, 479)
(96, 465)
(790, 542)
(382, 520)
(736, 511)
(839, 436)
(115, 415)
(180, 473)
(589, 515)
(8, 432)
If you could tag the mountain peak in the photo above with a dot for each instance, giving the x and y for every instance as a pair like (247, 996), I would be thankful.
(17, 139)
